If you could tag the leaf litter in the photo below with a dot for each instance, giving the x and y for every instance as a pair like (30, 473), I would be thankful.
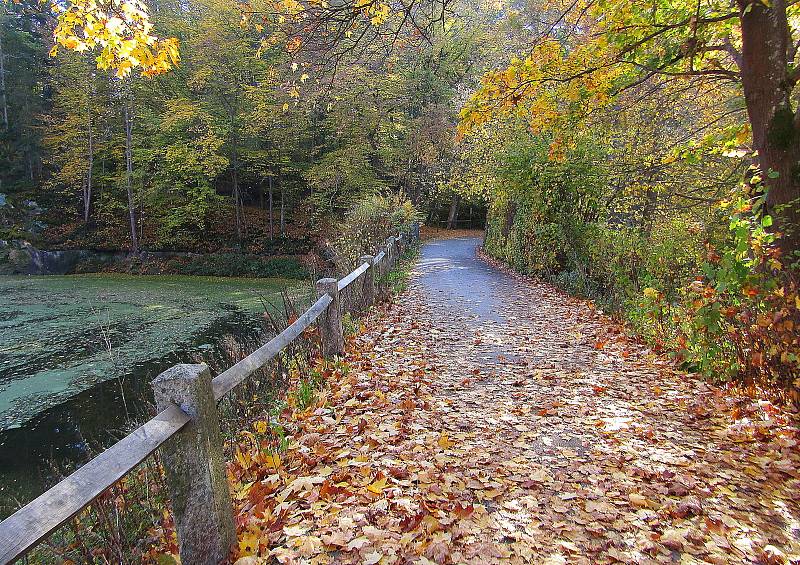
(516, 438)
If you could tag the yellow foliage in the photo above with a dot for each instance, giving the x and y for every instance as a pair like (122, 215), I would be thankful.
(121, 30)
(559, 85)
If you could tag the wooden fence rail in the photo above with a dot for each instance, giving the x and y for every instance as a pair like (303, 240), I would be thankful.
(186, 429)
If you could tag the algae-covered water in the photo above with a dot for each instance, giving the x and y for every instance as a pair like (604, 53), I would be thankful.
(77, 354)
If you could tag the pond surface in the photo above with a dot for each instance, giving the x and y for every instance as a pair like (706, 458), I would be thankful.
(77, 354)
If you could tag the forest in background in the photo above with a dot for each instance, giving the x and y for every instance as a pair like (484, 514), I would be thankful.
(238, 147)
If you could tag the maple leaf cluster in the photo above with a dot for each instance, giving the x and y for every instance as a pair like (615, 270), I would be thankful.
(120, 30)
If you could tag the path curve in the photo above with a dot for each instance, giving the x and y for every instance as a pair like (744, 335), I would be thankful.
(615, 454)
(488, 419)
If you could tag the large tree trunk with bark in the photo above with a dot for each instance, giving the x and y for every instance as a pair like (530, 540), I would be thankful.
(768, 84)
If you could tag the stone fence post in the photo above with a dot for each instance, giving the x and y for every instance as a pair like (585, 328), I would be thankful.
(391, 251)
(368, 288)
(330, 322)
(195, 467)
(415, 231)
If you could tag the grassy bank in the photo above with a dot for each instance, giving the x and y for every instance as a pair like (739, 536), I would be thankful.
(132, 521)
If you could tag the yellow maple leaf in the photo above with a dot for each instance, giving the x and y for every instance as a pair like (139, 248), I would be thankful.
(378, 486)
(444, 442)
(248, 544)
(273, 460)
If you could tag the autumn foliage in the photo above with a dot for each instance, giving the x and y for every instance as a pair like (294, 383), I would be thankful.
(643, 160)
(739, 319)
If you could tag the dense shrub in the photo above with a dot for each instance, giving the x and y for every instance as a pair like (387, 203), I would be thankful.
(740, 315)
(707, 284)
(211, 265)
(367, 225)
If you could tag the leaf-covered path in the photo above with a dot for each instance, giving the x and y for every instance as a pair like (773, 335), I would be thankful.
(489, 419)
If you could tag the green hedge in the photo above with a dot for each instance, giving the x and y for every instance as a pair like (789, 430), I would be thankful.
(216, 265)
(237, 265)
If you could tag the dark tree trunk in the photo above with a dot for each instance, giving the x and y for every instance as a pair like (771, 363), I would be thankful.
(3, 86)
(283, 213)
(767, 84)
(87, 189)
(236, 192)
(271, 215)
(129, 176)
(648, 212)
(452, 217)
(237, 201)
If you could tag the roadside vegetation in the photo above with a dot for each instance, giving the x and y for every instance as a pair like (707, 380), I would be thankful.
(645, 156)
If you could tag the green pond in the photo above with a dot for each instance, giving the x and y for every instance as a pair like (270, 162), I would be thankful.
(77, 354)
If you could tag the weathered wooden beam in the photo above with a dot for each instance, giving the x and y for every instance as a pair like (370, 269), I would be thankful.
(229, 379)
(33, 522)
(360, 270)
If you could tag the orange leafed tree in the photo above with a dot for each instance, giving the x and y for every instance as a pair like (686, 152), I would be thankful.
(596, 49)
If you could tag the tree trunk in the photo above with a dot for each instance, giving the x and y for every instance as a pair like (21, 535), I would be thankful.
(129, 176)
(767, 88)
(649, 209)
(452, 217)
(283, 214)
(87, 191)
(271, 216)
(3, 85)
(237, 198)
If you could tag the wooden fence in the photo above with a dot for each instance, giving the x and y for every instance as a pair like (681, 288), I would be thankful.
(187, 431)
